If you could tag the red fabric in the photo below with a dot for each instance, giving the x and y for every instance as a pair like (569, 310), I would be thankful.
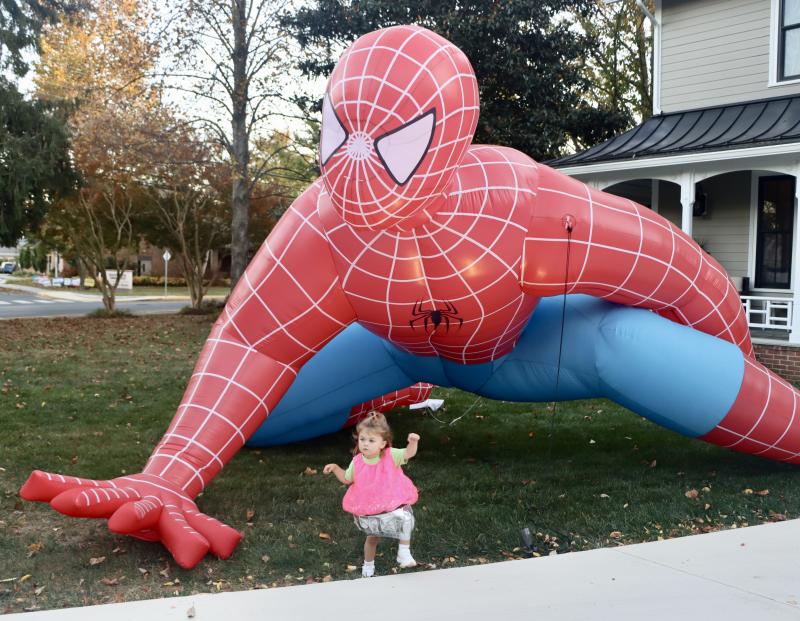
(764, 418)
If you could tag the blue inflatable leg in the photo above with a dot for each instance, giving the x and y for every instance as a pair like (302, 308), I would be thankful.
(680, 378)
(674, 375)
(353, 368)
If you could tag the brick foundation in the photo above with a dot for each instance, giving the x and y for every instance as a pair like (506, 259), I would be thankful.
(782, 359)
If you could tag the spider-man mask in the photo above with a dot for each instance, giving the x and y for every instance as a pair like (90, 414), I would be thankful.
(398, 114)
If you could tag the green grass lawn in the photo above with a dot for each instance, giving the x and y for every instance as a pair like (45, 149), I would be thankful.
(91, 398)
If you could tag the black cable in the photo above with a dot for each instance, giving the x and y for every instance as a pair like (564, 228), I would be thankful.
(568, 226)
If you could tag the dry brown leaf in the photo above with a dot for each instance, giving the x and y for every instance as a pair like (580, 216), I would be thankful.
(110, 581)
(96, 560)
(748, 491)
(615, 534)
(250, 514)
(762, 492)
(653, 464)
(328, 578)
(325, 536)
(265, 558)
(351, 568)
(38, 590)
(692, 493)
(24, 578)
(309, 471)
(34, 548)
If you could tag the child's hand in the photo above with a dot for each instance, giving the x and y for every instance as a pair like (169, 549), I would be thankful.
(413, 437)
(329, 468)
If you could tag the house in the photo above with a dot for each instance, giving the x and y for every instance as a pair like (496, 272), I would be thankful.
(720, 157)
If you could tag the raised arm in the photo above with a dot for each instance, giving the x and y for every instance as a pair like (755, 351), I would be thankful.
(286, 306)
(628, 254)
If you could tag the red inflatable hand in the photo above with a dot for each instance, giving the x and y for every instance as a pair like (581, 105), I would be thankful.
(141, 505)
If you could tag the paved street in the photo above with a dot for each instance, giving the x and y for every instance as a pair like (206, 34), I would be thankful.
(21, 301)
(17, 305)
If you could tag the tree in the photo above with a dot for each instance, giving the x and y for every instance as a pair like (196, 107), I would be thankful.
(232, 55)
(189, 203)
(35, 168)
(619, 59)
(527, 56)
(101, 64)
(34, 163)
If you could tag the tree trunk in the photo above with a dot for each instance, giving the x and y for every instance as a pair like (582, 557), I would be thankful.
(240, 156)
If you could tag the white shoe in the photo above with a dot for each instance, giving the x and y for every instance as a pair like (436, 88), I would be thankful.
(368, 571)
(406, 561)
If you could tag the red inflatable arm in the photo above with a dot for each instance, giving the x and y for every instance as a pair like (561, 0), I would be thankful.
(250, 359)
(660, 268)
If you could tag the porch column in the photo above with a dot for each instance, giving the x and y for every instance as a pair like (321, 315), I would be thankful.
(687, 202)
(794, 335)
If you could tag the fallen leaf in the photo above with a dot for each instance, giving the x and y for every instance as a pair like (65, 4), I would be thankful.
(110, 581)
(615, 534)
(265, 558)
(165, 572)
(309, 471)
(602, 496)
(34, 548)
(328, 578)
(653, 464)
(325, 536)
(24, 578)
(762, 492)
(348, 568)
(692, 493)
(706, 507)
(748, 491)
(250, 515)
(96, 560)
(38, 590)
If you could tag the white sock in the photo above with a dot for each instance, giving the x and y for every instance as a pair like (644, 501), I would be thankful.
(404, 558)
(368, 569)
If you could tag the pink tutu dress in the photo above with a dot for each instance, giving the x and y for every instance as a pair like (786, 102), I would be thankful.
(378, 488)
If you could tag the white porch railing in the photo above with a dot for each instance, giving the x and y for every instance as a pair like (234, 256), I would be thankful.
(768, 313)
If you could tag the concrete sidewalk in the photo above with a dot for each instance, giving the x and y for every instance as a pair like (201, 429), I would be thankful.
(743, 574)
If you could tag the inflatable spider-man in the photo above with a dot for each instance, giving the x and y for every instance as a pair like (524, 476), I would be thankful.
(432, 259)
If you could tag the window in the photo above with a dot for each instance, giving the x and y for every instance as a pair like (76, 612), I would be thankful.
(789, 40)
(774, 233)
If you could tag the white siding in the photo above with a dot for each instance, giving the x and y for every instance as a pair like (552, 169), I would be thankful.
(724, 232)
(715, 52)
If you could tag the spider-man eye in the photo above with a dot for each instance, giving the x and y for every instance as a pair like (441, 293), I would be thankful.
(403, 149)
(333, 133)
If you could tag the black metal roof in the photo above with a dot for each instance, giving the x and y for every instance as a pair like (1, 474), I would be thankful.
(736, 126)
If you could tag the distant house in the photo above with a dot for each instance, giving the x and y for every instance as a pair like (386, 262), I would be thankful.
(721, 156)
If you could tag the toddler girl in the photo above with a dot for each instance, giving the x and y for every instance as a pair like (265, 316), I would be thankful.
(380, 494)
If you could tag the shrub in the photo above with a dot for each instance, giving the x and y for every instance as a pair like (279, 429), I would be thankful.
(102, 313)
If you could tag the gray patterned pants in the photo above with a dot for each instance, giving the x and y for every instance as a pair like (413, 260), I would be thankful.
(396, 524)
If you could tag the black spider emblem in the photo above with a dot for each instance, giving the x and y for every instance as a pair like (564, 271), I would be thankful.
(434, 316)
